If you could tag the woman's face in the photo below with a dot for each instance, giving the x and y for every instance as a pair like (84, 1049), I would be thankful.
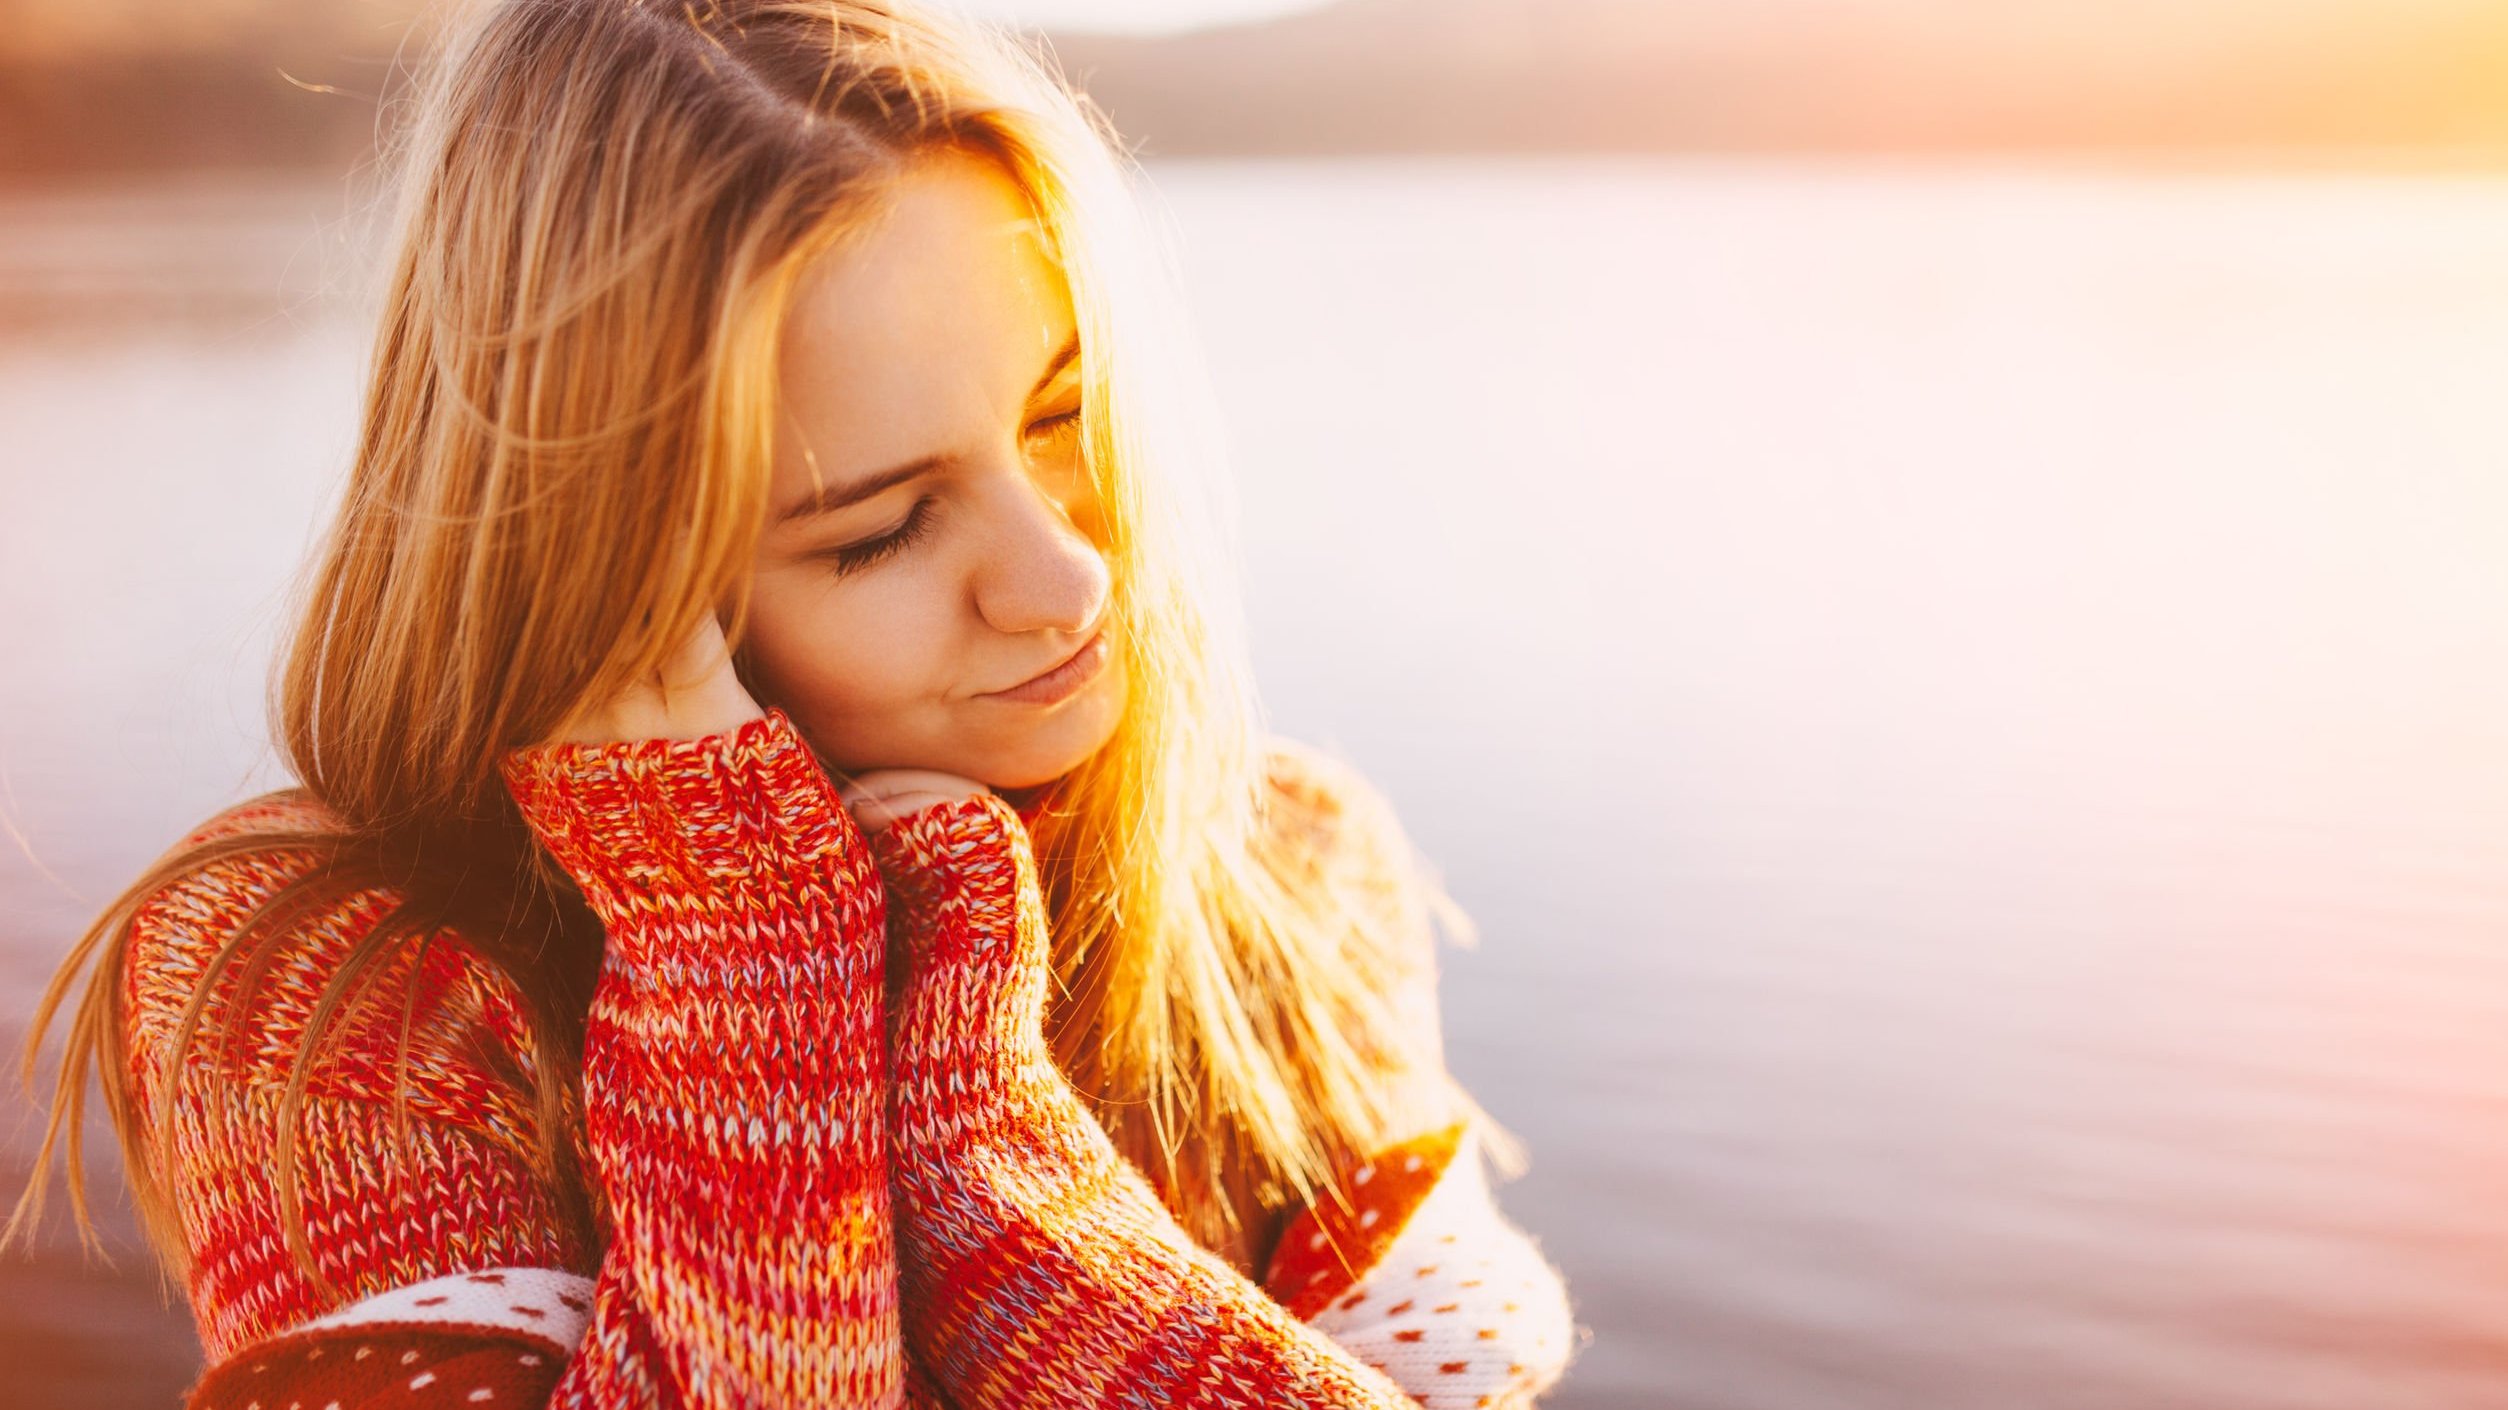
(949, 545)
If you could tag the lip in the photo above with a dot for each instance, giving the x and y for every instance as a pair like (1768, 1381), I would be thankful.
(1076, 670)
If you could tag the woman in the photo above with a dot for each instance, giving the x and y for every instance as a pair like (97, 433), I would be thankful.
(788, 903)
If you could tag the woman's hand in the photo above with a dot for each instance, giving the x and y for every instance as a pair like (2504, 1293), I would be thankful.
(697, 694)
(882, 796)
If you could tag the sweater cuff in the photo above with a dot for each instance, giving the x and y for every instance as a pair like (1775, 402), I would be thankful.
(651, 828)
(951, 865)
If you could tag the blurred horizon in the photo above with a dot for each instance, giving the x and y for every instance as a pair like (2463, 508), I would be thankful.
(1968, 710)
(1926, 572)
(99, 87)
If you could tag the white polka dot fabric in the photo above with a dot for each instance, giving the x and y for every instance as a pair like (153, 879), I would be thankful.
(1463, 1312)
(548, 1303)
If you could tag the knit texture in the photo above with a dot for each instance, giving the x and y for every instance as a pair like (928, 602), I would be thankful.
(733, 1071)
(735, 1067)
(1403, 1259)
(379, 1211)
(1040, 1267)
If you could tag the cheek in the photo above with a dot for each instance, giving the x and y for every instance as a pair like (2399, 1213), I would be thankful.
(834, 657)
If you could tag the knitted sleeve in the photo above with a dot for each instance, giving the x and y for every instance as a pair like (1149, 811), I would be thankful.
(1039, 1266)
(733, 1068)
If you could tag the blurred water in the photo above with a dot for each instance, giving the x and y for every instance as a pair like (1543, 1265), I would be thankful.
(1971, 706)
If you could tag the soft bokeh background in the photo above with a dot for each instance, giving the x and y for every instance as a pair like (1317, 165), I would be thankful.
(1932, 572)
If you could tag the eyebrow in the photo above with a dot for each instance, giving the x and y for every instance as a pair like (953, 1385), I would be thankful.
(830, 498)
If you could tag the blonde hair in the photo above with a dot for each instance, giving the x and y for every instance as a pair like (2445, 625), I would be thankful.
(605, 208)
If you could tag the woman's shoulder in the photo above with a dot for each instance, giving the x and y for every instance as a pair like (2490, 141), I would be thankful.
(1346, 823)
(1354, 847)
(192, 944)
(1323, 799)
(233, 863)
(289, 809)
(1365, 866)
(1304, 767)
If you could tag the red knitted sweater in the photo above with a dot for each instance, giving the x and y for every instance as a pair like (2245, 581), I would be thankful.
(814, 1194)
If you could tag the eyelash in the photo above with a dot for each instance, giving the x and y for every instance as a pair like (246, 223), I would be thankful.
(859, 556)
(1056, 423)
(863, 555)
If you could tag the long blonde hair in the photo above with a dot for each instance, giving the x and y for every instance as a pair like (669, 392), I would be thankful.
(605, 206)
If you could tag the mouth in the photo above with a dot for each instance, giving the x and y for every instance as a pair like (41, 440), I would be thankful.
(1063, 677)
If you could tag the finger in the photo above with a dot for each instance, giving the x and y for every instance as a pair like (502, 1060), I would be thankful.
(890, 781)
(869, 813)
(897, 805)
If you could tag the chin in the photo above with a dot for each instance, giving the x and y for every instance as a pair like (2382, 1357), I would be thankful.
(1061, 744)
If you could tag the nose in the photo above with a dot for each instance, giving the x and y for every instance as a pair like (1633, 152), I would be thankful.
(1040, 573)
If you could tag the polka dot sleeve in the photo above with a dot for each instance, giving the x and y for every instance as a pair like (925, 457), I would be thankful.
(1407, 1262)
(495, 1337)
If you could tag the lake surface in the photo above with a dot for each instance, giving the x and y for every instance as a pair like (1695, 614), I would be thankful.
(1970, 705)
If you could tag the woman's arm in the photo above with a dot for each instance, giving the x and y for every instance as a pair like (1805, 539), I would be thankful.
(1040, 1268)
(733, 1070)
(1404, 1256)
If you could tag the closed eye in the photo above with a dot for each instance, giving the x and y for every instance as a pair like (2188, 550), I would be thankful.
(1056, 424)
(855, 557)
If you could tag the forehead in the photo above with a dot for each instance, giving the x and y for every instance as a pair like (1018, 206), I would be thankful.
(926, 330)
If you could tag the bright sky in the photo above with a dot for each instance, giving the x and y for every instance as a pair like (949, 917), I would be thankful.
(1132, 16)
